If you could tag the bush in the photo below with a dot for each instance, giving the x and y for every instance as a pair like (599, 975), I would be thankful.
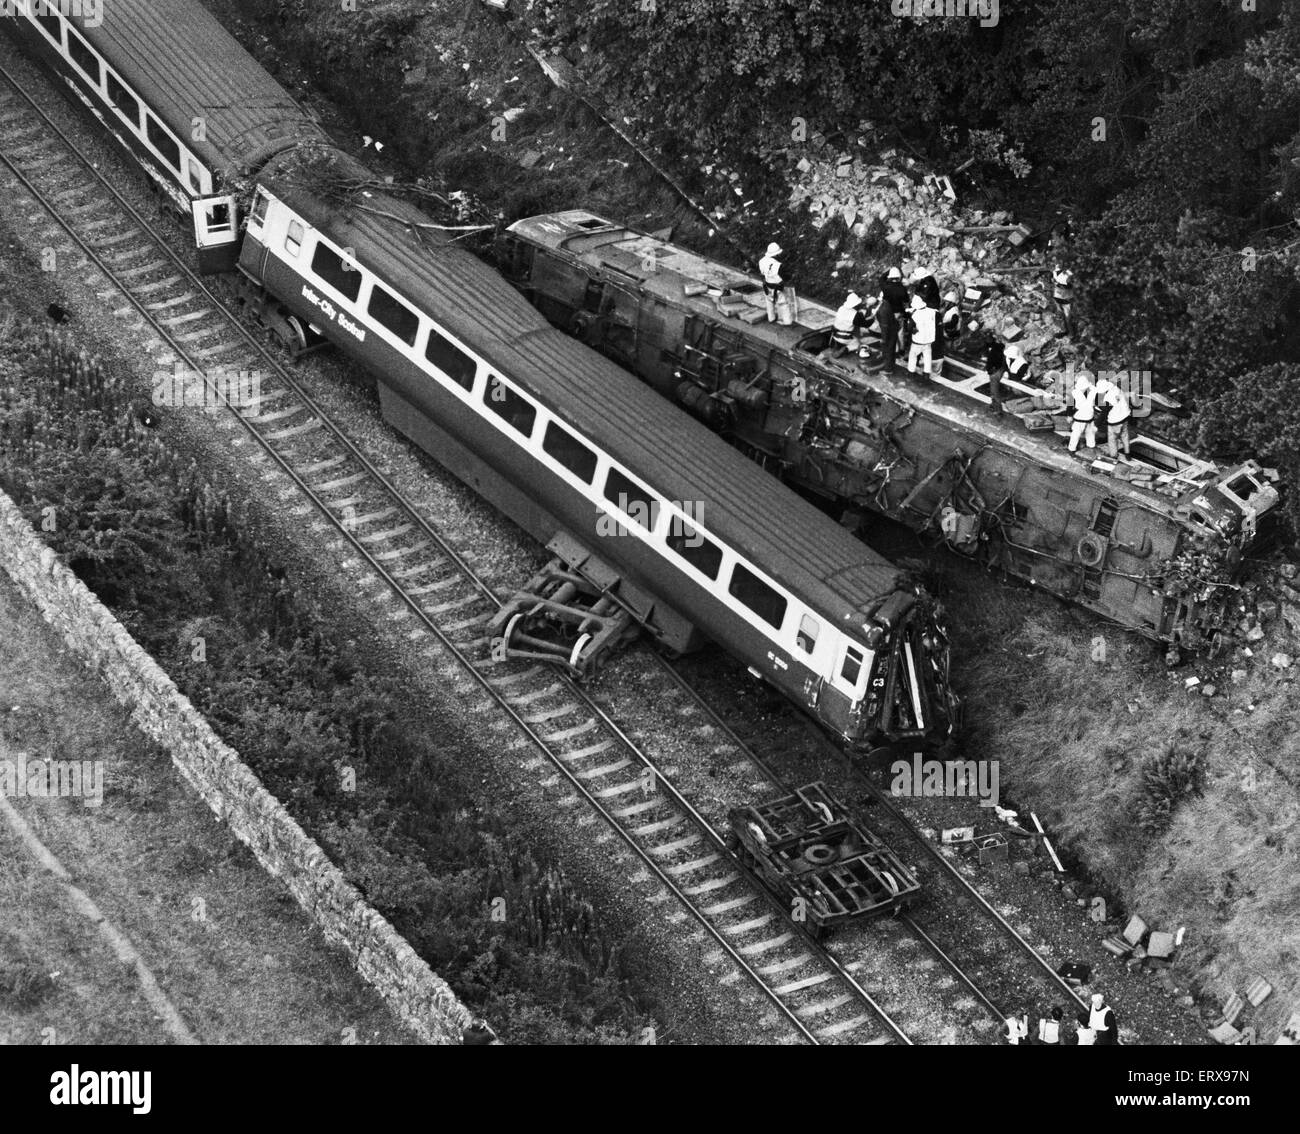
(1167, 778)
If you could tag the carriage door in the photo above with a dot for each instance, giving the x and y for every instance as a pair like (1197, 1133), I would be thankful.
(216, 235)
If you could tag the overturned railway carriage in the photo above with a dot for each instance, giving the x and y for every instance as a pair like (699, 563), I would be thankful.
(637, 500)
(656, 518)
(196, 111)
(1154, 545)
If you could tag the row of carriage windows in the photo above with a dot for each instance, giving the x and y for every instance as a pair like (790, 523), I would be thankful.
(403, 323)
(636, 501)
(127, 104)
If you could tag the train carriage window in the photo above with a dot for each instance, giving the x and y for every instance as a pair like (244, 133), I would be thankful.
(510, 404)
(757, 595)
(570, 452)
(194, 175)
(637, 501)
(47, 16)
(124, 100)
(695, 547)
(261, 203)
(341, 275)
(218, 219)
(293, 238)
(809, 628)
(451, 360)
(851, 670)
(162, 141)
(84, 58)
(393, 315)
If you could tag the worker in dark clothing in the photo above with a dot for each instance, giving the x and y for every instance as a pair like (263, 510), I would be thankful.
(926, 286)
(940, 344)
(995, 366)
(891, 315)
(1063, 294)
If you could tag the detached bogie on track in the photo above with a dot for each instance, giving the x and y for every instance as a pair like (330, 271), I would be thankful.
(811, 851)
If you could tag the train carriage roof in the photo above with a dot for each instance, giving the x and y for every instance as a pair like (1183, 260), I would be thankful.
(185, 64)
(654, 439)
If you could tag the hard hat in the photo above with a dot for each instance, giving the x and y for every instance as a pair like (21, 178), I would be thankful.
(1012, 351)
(917, 303)
(951, 297)
(919, 274)
(893, 274)
(853, 300)
(774, 249)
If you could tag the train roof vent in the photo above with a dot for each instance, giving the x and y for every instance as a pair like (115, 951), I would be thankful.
(593, 222)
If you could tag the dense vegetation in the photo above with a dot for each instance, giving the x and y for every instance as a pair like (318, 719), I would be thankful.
(1163, 135)
(1166, 133)
(144, 528)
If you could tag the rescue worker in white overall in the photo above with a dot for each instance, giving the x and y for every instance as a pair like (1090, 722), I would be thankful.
(951, 319)
(923, 329)
(1063, 293)
(1017, 364)
(776, 291)
(850, 319)
(1118, 412)
(1085, 407)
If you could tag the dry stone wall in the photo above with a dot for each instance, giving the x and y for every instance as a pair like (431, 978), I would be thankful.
(418, 996)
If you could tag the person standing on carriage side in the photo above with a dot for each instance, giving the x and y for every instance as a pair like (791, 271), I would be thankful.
(776, 286)
(995, 366)
(926, 286)
(892, 315)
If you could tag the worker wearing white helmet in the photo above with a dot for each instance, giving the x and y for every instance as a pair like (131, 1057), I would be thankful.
(950, 320)
(923, 332)
(1063, 293)
(776, 286)
(1114, 401)
(1084, 400)
(849, 322)
(926, 286)
(1017, 364)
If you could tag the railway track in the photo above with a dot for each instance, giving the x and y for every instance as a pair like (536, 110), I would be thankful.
(440, 598)
(1003, 981)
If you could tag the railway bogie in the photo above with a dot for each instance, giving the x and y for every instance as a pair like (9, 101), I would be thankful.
(811, 851)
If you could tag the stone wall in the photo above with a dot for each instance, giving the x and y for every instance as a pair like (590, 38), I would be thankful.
(417, 995)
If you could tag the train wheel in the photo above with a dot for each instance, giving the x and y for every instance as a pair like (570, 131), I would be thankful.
(1215, 647)
(289, 331)
(578, 647)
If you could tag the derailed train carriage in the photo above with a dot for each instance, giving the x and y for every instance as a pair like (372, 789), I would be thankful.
(645, 510)
(1154, 544)
(655, 523)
